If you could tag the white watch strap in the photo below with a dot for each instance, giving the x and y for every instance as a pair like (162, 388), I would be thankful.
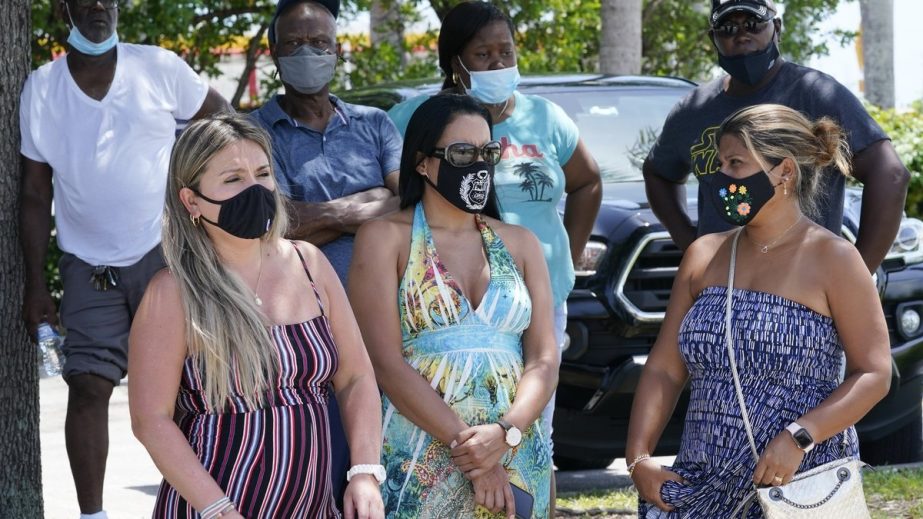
(375, 470)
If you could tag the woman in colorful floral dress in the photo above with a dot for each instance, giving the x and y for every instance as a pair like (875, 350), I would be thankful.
(455, 309)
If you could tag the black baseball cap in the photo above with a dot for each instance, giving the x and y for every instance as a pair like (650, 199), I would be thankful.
(331, 5)
(762, 10)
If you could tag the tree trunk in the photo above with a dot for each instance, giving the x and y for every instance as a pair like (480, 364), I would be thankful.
(385, 25)
(20, 469)
(620, 45)
(878, 51)
(253, 54)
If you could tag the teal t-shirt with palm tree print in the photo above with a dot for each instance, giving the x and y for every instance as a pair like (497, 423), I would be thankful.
(538, 139)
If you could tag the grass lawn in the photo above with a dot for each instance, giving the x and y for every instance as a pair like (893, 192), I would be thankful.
(890, 493)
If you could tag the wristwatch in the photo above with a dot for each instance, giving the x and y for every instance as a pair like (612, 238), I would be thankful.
(513, 434)
(378, 471)
(802, 437)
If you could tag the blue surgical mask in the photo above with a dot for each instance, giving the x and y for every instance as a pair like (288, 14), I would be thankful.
(81, 44)
(492, 86)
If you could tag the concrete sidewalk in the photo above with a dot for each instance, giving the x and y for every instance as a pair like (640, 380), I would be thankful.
(132, 479)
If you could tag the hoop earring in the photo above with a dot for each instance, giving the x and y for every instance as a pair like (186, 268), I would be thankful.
(194, 219)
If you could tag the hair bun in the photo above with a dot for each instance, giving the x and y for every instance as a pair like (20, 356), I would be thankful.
(831, 143)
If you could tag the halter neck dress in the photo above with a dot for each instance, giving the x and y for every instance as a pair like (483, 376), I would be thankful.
(472, 357)
(273, 461)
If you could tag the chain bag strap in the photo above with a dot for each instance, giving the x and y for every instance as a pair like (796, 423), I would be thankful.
(830, 490)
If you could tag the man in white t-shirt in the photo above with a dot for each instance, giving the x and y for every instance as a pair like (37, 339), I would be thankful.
(101, 123)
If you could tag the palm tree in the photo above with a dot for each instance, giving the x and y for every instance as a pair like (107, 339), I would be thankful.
(544, 181)
(620, 38)
(528, 185)
(527, 171)
(878, 51)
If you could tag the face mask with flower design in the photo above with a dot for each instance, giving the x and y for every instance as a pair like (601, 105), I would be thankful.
(738, 200)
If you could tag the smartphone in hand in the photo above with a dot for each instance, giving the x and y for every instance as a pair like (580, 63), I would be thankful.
(523, 502)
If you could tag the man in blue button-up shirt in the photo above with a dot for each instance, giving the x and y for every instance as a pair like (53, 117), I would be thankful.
(337, 162)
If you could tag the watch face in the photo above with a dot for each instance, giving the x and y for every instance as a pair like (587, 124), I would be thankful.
(513, 437)
(803, 438)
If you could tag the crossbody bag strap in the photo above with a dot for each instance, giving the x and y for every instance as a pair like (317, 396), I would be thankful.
(730, 347)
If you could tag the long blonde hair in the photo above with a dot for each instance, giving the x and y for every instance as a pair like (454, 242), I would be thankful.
(225, 331)
(775, 132)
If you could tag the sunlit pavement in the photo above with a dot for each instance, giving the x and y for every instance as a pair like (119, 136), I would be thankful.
(132, 479)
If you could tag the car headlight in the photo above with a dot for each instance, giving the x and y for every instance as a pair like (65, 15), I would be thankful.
(592, 256)
(908, 319)
(908, 245)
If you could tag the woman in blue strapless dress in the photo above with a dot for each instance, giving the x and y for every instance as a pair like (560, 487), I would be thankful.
(802, 299)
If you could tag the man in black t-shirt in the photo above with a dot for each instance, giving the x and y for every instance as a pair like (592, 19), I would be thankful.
(746, 35)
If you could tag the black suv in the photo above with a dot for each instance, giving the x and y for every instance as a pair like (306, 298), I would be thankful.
(625, 276)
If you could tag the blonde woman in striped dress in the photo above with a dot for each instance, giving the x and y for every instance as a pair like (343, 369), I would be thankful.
(245, 334)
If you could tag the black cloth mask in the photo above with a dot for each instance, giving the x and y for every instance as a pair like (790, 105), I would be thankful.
(248, 214)
(750, 68)
(738, 200)
(466, 188)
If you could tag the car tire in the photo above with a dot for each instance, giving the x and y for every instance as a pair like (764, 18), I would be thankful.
(567, 463)
(905, 445)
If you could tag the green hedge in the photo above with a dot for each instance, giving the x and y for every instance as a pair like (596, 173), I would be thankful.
(905, 127)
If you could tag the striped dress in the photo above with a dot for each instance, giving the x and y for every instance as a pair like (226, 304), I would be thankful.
(272, 461)
(472, 357)
(788, 358)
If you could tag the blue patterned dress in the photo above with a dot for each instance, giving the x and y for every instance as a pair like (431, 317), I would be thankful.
(788, 357)
(473, 359)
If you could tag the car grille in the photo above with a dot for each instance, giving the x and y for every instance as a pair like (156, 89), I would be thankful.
(644, 287)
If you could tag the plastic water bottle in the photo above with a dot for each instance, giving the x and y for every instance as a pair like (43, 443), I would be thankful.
(49, 346)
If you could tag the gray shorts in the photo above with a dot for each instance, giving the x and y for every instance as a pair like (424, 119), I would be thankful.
(98, 321)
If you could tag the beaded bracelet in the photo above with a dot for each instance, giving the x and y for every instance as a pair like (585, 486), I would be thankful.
(226, 510)
(638, 459)
(216, 509)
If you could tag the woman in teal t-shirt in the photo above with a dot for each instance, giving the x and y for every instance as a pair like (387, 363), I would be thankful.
(543, 155)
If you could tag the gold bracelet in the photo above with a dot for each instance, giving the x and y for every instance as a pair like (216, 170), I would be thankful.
(638, 459)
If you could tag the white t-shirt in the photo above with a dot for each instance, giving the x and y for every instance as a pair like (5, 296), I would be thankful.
(109, 158)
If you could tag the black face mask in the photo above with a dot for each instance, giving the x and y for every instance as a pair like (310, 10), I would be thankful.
(248, 214)
(738, 200)
(466, 188)
(751, 68)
